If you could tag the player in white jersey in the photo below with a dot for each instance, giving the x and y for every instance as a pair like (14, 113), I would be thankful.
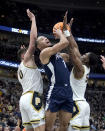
(31, 105)
(78, 82)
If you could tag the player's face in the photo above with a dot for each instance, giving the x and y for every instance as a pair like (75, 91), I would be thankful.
(85, 57)
(43, 42)
(22, 55)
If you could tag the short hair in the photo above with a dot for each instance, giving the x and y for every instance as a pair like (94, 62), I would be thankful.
(93, 59)
(37, 42)
(21, 51)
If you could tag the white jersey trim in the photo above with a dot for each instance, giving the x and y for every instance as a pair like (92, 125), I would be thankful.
(51, 67)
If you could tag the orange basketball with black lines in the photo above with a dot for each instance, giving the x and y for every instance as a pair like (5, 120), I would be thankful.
(60, 25)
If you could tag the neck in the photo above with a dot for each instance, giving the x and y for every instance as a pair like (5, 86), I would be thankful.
(42, 48)
(22, 59)
(45, 47)
(86, 64)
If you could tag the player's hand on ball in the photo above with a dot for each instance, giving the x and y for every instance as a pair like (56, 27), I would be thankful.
(30, 14)
(57, 33)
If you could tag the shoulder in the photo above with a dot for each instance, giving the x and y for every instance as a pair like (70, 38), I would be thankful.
(45, 55)
(87, 69)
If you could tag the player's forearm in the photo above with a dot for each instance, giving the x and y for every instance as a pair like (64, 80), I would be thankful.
(73, 57)
(73, 45)
(33, 37)
(63, 40)
(76, 61)
(33, 33)
(72, 42)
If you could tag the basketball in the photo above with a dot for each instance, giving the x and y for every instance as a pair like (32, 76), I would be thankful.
(60, 25)
(24, 129)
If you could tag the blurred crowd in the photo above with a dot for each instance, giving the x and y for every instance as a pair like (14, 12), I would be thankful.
(10, 92)
(88, 23)
(97, 108)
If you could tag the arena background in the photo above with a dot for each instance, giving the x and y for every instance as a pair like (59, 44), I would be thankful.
(89, 32)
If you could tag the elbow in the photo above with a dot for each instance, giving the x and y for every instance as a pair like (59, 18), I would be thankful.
(33, 47)
(34, 35)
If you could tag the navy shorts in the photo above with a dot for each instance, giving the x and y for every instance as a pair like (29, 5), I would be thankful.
(60, 98)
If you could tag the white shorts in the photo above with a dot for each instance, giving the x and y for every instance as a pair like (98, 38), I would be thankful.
(81, 114)
(32, 109)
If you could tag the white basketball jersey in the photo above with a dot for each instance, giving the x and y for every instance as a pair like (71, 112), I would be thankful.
(79, 85)
(30, 79)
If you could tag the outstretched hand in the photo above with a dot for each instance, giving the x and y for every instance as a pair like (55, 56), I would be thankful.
(71, 22)
(103, 61)
(65, 21)
(30, 14)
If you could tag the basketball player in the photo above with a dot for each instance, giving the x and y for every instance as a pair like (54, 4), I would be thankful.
(78, 80)
(59, 98)
(31, 107)
(103, 61)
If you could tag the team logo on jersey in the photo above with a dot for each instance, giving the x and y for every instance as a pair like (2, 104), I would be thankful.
(36, 101)
(75, 110)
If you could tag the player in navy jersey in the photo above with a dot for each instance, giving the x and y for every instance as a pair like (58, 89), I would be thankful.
(59, 97)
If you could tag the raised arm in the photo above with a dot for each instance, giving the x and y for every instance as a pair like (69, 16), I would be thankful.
(74, 52)
(48, 52)
(72, 42)
(33, 36)
(76, 60)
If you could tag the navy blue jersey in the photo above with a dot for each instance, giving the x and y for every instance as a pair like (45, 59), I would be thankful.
(59, 96)
(57, 71)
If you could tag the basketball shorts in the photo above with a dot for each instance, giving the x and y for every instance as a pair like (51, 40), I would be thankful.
(32, 109)
(59, 98)
(80, 117)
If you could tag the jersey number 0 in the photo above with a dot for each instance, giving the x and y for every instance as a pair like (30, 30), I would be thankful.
(20, 74)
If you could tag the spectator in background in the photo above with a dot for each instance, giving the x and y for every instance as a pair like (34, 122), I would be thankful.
(1, 126)
(7, 128)
(17, 128)
(103, 61)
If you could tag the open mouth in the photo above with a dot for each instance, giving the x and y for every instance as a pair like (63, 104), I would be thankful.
(48, 42)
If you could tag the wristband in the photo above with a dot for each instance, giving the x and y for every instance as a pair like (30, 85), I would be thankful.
(67, 33)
